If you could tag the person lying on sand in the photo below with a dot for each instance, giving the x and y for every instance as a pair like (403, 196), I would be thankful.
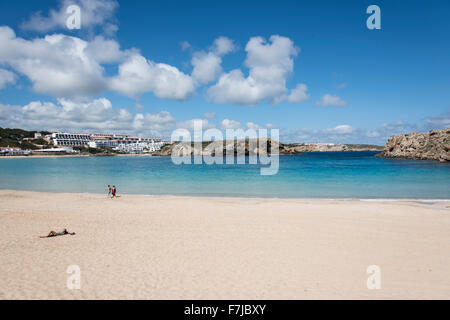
(56, 234)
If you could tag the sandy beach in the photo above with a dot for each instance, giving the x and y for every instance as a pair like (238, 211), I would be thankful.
(145, 247)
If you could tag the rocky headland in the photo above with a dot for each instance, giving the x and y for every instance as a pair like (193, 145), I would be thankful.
(433, 145)
(255, 147)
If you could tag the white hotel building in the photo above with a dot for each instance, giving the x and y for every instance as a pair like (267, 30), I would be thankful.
(71, 139)
(114, 141)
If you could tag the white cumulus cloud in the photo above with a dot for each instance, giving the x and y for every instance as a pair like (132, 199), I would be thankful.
(208, 65)
(341, 129)
(104, 50)
(252, 125)
(223, 46)
(230, 124)
(93, 13)
(190, 124)
(269, 63)
(298, 95)
(69, 67)
(138, 75)
(329, 100)
(57, 64)
(97, 115)
(6, 77)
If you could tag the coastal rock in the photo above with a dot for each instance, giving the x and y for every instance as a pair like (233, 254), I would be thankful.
(433, 145)
(252, 147)
(236, 148)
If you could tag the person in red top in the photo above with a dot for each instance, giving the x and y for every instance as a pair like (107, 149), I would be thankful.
(114, 190)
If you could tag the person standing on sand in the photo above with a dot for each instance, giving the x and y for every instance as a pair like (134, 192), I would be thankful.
(114, 190)
(109, 190)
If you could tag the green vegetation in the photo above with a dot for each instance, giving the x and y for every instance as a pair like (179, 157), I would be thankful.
(23, 139)
(96, 151)
(15, 138)
(40, 142)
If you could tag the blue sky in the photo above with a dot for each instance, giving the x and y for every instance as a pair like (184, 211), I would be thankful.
(355, 85)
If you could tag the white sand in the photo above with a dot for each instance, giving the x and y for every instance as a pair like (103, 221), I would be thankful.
(141, 247)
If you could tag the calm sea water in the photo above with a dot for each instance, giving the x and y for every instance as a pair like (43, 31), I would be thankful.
(309, 175)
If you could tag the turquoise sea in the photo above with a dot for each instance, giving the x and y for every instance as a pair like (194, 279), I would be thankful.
(309, 175)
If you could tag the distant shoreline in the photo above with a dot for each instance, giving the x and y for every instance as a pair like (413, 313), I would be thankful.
(76, 156)
(150, 155)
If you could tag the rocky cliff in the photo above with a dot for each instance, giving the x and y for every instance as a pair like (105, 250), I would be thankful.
(433, 145)
(250, 147)
(237, 147)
